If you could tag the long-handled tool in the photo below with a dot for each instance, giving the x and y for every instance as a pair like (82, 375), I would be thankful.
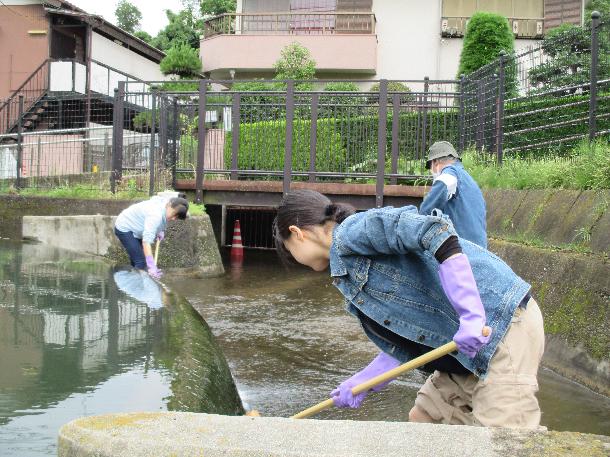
(157, 250)
(387, 376)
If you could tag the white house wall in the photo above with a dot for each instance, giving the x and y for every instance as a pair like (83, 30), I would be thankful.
(114, 55)
(408, 36)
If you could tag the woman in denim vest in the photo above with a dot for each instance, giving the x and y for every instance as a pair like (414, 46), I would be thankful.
(414, 286)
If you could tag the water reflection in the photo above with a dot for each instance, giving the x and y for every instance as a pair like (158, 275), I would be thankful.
(77, 338)
(139, 285)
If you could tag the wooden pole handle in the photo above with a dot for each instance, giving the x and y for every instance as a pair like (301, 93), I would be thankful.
(157, 251)
(384, 377)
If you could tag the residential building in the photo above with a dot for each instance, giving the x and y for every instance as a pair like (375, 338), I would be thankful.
(51, 47)
(365, 39)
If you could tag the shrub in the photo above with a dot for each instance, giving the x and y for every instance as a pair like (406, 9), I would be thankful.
(549, 115)
(393, 86)
(295, 62)
(263, 107)
(262, 146)
(341, 99)
(486, 35)
(181, 60)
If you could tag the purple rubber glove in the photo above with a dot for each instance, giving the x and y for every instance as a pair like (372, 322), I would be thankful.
(161, 236)
(342, 395)
(461, 290)
(152, 268)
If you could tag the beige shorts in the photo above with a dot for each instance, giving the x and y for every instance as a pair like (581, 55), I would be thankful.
(507, 396)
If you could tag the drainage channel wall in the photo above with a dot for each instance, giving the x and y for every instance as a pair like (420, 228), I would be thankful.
(88, 226)
(559, 241)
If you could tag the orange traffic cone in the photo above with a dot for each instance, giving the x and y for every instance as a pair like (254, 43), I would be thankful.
(237, 249)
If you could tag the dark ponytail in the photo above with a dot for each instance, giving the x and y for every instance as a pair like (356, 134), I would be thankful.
(181, 206)
(305, 208)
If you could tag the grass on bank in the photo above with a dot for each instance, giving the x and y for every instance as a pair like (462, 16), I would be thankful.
(587, 167)
(86, 193)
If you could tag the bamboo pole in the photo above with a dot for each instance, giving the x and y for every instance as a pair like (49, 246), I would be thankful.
(384, 377)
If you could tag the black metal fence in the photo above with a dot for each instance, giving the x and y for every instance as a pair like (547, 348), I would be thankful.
(61, 140)
(285, 132)
(541, 101)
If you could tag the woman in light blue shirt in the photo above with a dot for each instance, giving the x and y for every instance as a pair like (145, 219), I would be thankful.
(138, 226)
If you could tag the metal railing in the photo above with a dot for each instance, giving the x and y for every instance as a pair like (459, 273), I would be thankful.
(290, 23)
(542, 100)
(32, 89)
(288, 134)
(455, 26)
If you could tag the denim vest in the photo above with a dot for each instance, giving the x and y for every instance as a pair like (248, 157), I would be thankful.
(465, 208)
(383, 263)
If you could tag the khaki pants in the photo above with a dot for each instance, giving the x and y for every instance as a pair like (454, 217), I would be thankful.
(507, 396)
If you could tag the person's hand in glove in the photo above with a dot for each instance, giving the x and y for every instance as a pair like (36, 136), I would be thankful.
(152, 267)
(461, 289)
(342, 395)
(161, 236)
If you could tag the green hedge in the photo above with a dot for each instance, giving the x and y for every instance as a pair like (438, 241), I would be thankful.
(543, 113)
(343, 144)
(262, 145)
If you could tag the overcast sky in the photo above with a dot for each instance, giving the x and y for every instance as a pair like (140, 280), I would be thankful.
(153, 11)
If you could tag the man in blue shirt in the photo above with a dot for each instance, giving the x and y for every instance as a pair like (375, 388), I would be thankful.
(455, 193)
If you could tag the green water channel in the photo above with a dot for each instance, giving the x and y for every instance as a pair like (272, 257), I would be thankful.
(79, 338)
(289, 342)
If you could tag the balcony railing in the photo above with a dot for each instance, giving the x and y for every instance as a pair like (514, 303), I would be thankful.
(290, 24)
(455, 26)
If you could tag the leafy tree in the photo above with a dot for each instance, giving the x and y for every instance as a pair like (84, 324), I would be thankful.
(181, 60)
(183, 27)
(128, 16)
(568, 48)
(144, 36)
(216, 7)
(486, 35)
(295, 62)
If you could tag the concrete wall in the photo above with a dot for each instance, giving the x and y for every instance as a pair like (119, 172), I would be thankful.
(572, 219)
(21, 52)
(188, 244)
(114, 55)
(188, 434)
(559, 241)
(14, 207)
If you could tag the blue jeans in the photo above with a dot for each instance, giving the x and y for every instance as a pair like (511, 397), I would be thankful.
(134, 249)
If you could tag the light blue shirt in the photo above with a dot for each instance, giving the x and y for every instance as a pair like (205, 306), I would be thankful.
(144, 219)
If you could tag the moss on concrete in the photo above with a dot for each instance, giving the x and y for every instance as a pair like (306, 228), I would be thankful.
(568, 219)
(549, 444)
(573, 291)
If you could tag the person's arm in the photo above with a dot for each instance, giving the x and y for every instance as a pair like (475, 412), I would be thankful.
(402, 230)
(151, 224)
(443, 189)
(392, 231)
